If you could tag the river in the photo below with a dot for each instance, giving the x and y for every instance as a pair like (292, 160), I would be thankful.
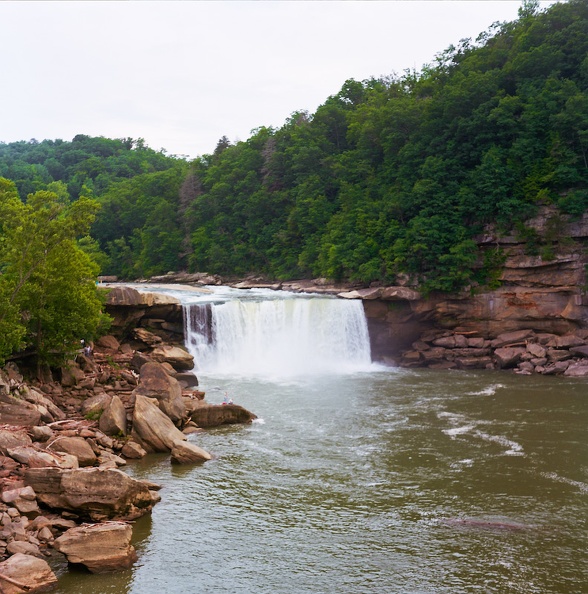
(371, 479)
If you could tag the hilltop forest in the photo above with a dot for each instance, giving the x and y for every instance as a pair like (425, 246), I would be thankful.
(390, 176)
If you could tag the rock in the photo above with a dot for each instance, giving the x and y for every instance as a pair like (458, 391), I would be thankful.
(580, 351)
(95, 405)
(36, 398)
(23, 547)
(374, 293)
(108, 342)
(14, 411)
(399, 294)
(71, 375)
(178, 358)
(148, 338)
(139, 359)
(96, 493)
(558, 354)
(556, 368)
(213, 415)
(26, 570)
(579, 369)
(536, 350)
(133, 450)
(509, 338)
(10, 438)
(508, 356)
(152, 428)
(24, 500)
(155, 382)
(113, 420)
(76, 446)
(184, 452)
(567, 341)
(129, 297)
(35, 458)
(41, 433)
(187, 380)
(101, 548)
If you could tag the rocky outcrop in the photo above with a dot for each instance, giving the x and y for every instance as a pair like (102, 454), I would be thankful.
(213, 415)
(184, 452)
(94, 493)
(26, 573)
(176, 356)
(101, 548)
(152, 428)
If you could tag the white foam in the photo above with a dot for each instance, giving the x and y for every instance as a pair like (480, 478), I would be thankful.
(583, 487)
(489, 391)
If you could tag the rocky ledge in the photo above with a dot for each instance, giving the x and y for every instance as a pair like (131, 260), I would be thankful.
(65, 440)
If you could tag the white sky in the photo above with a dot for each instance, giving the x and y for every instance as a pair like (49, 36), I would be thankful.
(183, 74)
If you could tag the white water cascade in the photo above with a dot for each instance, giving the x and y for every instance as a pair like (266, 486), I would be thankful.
(280, 334)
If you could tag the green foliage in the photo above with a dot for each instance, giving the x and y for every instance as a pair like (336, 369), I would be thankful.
(48, 297)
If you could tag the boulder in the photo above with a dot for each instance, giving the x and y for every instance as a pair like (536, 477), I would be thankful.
(139, 359)
(108, 342)
(75, 446)
(155, 382)
(213, 415)
(36, 398)
(510, 338)
(184, 452)
(95, 404)
(26, 573)
(580, 351)
(96, 493)
(187, 380)
(36, 458)
(579, 369)
(23, 499)
(13, 438)
(71, 375)
(101, 548)
(508, 356)
(133, 450)
(152, 428)
(147, 337)
(15, 411)
(178, 358)
(113, 420)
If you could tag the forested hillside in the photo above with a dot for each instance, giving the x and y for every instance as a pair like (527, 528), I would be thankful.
(389, 176)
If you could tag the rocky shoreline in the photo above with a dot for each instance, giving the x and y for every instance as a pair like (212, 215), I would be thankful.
(65, 439)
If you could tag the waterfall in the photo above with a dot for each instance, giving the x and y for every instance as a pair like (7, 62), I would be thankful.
(287, 336)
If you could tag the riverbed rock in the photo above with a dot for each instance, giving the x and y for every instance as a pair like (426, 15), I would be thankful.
(508, 356)
(37, 458)
(178, 358)
(29, 571)
(113, 420)
(184, 452)
(15, 411)
(96, 493)
(212, 415)
(102, 548)
(95, 405)
(75, 446)
(152, 428)
(155, 382)
(133, 450)
(24, 499)
(13, 437)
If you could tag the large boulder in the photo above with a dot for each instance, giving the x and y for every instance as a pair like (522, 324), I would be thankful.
(213, 415)
(178, 358)
(15, 411)
(184, 452)
(23, 499)
(13, 437)
(26, 573)
(113, 420)
(152, 428)
(96, 493)
(155, 382)
(101, 548)
(37, 458)
(75, 446)
(41, 402)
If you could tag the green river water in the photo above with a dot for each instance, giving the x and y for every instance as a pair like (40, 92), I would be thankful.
(382, 481)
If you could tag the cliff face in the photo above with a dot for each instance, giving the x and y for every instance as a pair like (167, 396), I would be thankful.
(543, 287)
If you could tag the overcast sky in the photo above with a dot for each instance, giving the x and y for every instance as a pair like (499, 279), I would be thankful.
(183, 74)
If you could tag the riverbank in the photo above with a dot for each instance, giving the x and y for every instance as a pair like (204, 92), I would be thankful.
(65, 440)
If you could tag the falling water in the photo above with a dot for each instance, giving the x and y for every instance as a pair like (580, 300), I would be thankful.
(278, 337)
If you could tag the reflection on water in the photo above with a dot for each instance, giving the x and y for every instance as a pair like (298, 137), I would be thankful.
(384, 481)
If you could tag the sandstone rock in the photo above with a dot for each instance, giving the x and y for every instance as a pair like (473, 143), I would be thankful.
(508, 356)
(95, 404)
(75, 446)
(36, 398)
(113, 420)
(556, 368)
(434, 354)
(127, 296)
(177, 357)
(133, 450)
(13, 439)
(101, 548)
(558, 354)
(474, 362)
(579, 369)
(35, 458)
(96, 493)
(184, 452)
(399, 294)
(155, 382)
(29, 571)
(108, 342)
(71, 375)
(14, 411)
(213, 415)
(509, 338)
(149, 338)
(536, 350)
(447, 342)
(187, 380)
(152, 428)
(567, 341)
(580, 351)
(24, 500)
(23, 547)
(139, 359)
